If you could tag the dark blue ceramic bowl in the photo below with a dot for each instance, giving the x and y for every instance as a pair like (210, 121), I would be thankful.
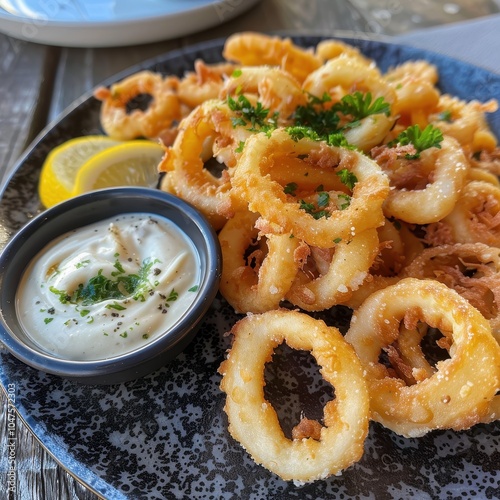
(84, 210)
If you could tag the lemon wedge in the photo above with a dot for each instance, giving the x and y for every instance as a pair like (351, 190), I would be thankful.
(131, 163)
(93, 162)
(58, 174)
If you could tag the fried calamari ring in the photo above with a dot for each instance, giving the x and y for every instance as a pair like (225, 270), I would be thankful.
(253, 422)
(433, 183)
(480, 174)
(459, 393)
(414, 84)
(476, 216)
(345, 271)
(345, 75)
(398, 246)
(274, 88)
(488, 161)
(161, 112)
(258, 282)
(471, 269)
(205, 83)
(466, 122)
(282, 213)
(330, 49)
(257, 49)
(206, 133)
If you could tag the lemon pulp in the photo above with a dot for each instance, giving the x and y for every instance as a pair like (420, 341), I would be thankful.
(94, 162)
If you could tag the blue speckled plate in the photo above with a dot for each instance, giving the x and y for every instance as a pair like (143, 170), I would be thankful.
(165, 436)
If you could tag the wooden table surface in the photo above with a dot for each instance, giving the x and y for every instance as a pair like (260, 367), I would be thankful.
(37, 82)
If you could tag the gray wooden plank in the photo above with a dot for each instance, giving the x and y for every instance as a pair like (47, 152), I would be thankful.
(26, 71)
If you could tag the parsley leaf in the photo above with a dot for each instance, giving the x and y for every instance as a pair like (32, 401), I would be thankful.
(290, 188)
(298, 132)
(359, 106)
(100, 288)
(316, 210)
(430, 137)
(345, 201)
(247, 114)
(347, 178)
(338, 140)
(320, 120)
(445, 116)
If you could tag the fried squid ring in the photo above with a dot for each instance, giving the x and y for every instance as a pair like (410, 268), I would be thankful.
(345, 271)
(330, 49)
(475, 218)
(459, 393)
(414, 85)
(487, 161)
(282, 213)
(259, 282)
(444, 173)
(161, 112)
(253, 422)
(274, 88)
(257, 49)
(205, 83)
(206, 133)
(466, 122)
(471, 269)
(398, 246)
(345, 75)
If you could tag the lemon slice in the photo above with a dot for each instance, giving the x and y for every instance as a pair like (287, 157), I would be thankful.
(58, 174)
(132, 163)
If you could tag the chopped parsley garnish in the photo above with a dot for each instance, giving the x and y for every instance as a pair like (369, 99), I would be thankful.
(444, 116)
(116, 306)
(345, 201)
(316, 117)
(194, 288)
(337, 240)
(323, 199)
(338, 140)
(290, 188)
(100, 288)
(119, 268)
(317, 122)
(172, 297)
(430, 137)
(48, 320)
(83, 263)
(347, 178)
(359, 106)
(317, 210)
(298, 132)
(256, 117)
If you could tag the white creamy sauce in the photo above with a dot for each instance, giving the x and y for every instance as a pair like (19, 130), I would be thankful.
(108, 288)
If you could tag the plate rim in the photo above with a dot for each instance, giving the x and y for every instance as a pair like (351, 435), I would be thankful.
(147, 29)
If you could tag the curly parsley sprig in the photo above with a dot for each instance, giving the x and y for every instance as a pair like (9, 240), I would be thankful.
(256, 117)
(430, 137)
(359, 106)
(320, 123)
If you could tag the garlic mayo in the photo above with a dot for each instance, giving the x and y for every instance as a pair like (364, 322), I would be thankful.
(109, 287)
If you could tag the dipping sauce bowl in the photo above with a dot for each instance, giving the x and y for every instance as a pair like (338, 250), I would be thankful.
(73, 215)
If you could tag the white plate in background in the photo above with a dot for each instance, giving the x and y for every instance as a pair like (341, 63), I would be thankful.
(107, 23)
